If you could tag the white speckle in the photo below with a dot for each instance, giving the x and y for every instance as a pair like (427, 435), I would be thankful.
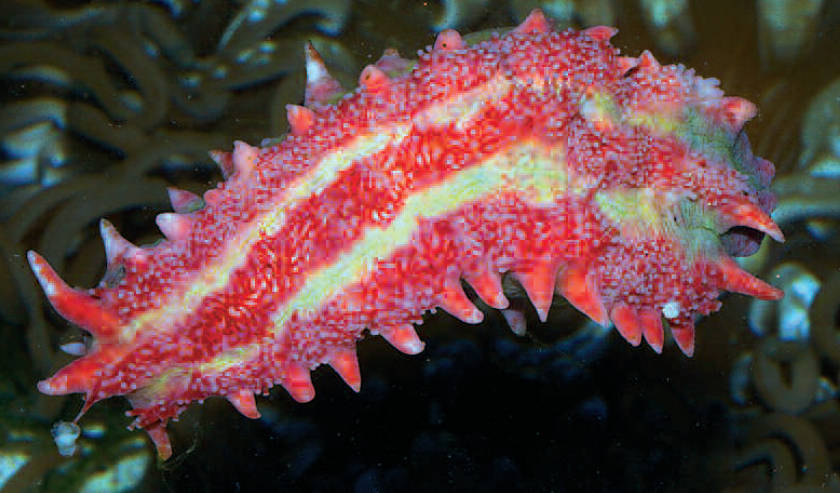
(671, 310)
(74, 348)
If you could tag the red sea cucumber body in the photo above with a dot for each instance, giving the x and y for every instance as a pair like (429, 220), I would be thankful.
(617, 183)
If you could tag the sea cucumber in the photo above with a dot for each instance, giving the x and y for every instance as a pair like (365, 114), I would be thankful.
(615, 182)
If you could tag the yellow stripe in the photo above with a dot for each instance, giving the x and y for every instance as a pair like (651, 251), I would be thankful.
(535, 173)
(464, 108)
(215, 277)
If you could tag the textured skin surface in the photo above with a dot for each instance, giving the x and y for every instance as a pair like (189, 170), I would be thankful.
(611, 181)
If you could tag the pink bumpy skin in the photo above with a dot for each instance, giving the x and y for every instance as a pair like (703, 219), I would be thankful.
(622, 185)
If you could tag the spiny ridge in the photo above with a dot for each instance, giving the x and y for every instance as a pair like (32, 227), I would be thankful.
(455, 302)
(488, 286)
(321, 87)
(750, 215)
(650, 321)
(576, 282)
(298, 383)
(116, 247)
(403, 338)
(243, 401)
(346, 364)
(626, 320)
(300, 118)
(734, 278)
(183, 201)
(74, 305)
(539, 283)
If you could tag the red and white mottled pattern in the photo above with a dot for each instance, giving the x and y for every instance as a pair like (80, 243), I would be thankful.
(612, 181)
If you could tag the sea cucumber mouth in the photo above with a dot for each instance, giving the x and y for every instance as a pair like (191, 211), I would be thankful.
(741, 241)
